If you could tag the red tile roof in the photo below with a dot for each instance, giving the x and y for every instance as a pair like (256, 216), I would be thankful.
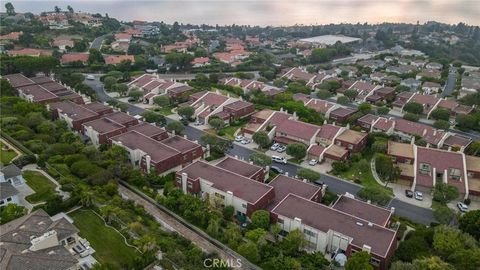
(284, 185)
(238, 166)
(363, 210)
(297, 129)
(117, 59)
(73, 57)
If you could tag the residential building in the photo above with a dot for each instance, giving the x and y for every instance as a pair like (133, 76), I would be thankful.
(38, 241)
(77, 114)
(352, 140)
(243, 168)
(71, 58)
(332, 231)
(342, 114)
(117, 59)
(224, 187)
(99, 131)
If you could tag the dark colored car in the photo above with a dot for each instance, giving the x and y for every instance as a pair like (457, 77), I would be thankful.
(409, 193)
(276, 169)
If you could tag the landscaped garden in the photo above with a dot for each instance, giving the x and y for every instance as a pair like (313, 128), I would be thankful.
(43, 187)
(109, 245)
(6, 153)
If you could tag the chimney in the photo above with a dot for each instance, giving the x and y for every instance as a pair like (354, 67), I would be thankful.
(184, 182)
(148, 159)
(229, 198)
(392, 210)
(173, 132)
(325, 122)
(46, 240)
(296, 223)
(185, 136)
(286, 173)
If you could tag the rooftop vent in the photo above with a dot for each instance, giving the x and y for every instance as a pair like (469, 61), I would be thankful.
(359, 224)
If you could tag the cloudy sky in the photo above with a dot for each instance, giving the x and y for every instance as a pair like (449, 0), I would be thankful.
(273, 12)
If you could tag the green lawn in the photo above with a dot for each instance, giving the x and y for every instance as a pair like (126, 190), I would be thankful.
(167, 110)
(6, 155)
(365, 178)
(43, 187)
(229, 131)
(109, 245)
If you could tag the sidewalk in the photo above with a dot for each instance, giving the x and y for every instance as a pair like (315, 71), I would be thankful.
(33, 167)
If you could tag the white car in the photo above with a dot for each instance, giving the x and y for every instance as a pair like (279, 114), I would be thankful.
(239, 138)
(90, 77)
(274, 147)
(462, 207)
(197, 123)
(418, 195)
(281, 149)
(279, 159)
(313, 162)
(245, 141)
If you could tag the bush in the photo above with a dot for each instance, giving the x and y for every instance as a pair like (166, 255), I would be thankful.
(375, 195)
(308, 174)
(410, 117)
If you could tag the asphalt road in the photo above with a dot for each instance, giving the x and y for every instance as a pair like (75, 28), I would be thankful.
(337, 185)
(451, 82)
(97, 42)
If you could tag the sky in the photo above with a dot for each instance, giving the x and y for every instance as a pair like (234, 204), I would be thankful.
(271, 12)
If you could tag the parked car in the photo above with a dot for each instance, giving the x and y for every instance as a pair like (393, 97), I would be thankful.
(279, 159)
(132, 100)
(409, 193)
(90, 77)
(462, 207)
(276, 169)
(313, 162)
(245, 141)
(281, 149)
(418, 195)
(239, 138)
(197, 123)
(274, 147)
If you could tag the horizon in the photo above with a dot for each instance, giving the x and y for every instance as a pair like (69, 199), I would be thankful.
(271, 13)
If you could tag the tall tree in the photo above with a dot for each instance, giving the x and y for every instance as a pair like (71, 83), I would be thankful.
(10, 9)
(359, 261)
(261, 138)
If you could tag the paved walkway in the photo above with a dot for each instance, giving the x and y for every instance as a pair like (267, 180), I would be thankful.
(33, 167)
(175, 225)
(10, 146)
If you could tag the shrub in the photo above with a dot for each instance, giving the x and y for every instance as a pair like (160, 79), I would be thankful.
(375, 195)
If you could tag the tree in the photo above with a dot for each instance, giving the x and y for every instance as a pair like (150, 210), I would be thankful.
(351, 94)
(10, 212)
(70, 9)
(260, 159)
(186, 112)
(261, 138)
(297, 150)
(440, 114)
(364, 108)
(95, 56)
(444, 193)
(216, 122)
(466, 122)
(343, 100)
(175, 126)
(324, 94)
(470, 223)
(375, 195)
(178, 61)
(359, 261)
(443, 214)
(135, 95)
(257, 236)
(383, 110)
(162, 100)
(413, 107)
(10, 9)
(57, 9)
(233, 235)
(261, 219)
(379, 146)
(441, 124)
(108, 82)
(122, 89)
(447, 240)
(26, 39)
(228, 212)
(217, 144)
(294, 242)
(310, 175)
(249, 251)
(410, 117)
(213, 227)
(7, 88)
(385, 169)
(153, 117)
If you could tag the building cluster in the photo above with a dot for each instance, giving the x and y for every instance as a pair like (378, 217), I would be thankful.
(252, 85)
(424, 167)
(346, 227)
(38, 241)
(208, 105)
(152, 86)
(234, 52)
(10, 179)
(327, 142)
(60, 20)
(42, 90)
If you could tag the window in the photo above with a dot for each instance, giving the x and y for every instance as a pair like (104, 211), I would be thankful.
(425, 168)
(189, 185)
(350, 146)
(185, 157)
(454, 173)
(375, 262)
(2, 202)
(244, 205)
(309, 233)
